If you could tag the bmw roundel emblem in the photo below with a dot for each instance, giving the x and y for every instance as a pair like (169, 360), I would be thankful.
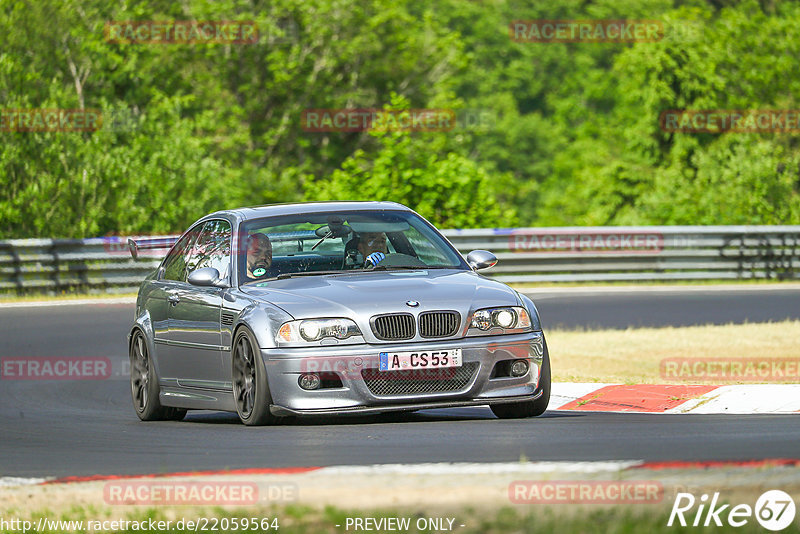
(412, 303)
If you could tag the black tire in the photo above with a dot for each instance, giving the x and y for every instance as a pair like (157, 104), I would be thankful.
(532, 408)
(249, 378)
(144, 385)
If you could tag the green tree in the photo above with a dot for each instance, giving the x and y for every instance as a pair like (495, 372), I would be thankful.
(449, 189)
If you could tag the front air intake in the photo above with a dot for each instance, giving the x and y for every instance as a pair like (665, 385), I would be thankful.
(393, 327)
(438, 323)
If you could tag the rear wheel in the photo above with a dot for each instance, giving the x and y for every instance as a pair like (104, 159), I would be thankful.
(144, 385)
(532, 408)
(250, 387)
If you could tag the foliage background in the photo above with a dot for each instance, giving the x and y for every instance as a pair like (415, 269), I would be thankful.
(572, 136)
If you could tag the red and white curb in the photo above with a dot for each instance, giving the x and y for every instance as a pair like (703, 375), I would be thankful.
(673, 398)
(542, 468)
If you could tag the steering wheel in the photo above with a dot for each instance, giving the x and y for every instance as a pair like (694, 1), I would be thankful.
(398, 259)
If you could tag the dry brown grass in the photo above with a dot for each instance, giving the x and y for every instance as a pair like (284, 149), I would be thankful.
(633, 355)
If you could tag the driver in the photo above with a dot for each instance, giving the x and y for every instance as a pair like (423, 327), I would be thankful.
(372, 247)
(259, 255)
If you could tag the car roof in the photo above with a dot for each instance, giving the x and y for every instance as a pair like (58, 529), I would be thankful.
(270, 210)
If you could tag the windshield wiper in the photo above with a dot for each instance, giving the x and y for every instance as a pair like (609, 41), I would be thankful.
(284, 276)
(378, 268)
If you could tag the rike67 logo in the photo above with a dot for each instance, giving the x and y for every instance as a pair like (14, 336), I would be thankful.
(774, 510)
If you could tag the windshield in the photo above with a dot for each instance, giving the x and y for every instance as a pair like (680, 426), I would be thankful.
(332, 243)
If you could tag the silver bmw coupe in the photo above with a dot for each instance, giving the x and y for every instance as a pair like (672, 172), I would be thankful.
(330, 308)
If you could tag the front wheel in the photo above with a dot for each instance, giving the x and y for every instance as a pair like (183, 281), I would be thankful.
(250, 387)
(144, 385)
(532, 408)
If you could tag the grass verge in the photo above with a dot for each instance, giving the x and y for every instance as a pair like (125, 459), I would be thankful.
(634, 356)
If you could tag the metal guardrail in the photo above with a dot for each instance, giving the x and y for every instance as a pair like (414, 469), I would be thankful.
(526, 255)
(61, 265)
(638, 253)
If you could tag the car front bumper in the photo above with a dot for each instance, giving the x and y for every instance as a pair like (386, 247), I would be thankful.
(358, 394)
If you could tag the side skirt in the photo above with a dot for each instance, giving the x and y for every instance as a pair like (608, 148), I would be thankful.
(197, 398)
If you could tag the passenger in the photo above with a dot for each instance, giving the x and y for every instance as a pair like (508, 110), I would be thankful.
(259, 256)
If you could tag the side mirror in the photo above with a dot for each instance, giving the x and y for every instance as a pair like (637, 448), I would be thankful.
(481, 259)
(205, 277)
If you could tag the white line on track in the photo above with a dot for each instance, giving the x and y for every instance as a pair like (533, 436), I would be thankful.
(70, 302)
(568, 291)
(6, 482)
(487, 468)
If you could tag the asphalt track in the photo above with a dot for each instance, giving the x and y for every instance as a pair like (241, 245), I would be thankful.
(65, 428)
(620, 308)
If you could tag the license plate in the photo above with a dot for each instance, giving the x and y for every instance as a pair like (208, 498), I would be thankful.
(423, 359)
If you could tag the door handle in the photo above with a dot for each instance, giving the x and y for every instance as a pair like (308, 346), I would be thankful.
(173, 299)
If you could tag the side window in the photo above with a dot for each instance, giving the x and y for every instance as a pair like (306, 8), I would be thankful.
(212, 248)
(175, 262)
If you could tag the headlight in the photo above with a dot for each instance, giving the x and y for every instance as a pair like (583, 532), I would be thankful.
(505, 318)
(311, 330)
(513, 318)
(481, 320)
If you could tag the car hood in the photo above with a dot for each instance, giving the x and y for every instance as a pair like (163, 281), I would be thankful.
(358, 295)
